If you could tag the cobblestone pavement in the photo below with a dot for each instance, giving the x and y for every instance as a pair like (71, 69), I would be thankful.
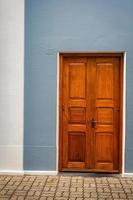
(65, 187)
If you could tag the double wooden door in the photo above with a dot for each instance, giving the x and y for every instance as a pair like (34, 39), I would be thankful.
(90, 114)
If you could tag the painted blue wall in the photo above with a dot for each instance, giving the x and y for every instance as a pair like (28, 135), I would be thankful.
(68, 25)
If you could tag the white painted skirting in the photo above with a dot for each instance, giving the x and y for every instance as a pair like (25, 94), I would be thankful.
(40, 172)
(11, 172)
(127, 174)
(27, 172)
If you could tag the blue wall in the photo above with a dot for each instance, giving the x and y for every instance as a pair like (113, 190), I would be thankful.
(68, 25)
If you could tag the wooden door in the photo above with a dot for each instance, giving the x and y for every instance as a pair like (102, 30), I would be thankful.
(90, 114)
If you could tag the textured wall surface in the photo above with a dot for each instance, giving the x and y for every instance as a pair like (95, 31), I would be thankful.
(72, 25)
(11, 84)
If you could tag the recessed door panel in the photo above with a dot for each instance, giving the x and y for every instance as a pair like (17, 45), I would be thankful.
(77, 80)
(104, 150)
(77, 115)
(104, 80)
(76, 150)
(105, 115)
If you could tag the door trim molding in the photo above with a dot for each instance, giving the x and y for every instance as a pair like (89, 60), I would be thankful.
(124, 112)
(122, 56)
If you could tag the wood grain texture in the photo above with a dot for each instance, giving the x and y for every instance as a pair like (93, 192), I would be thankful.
(90, 89)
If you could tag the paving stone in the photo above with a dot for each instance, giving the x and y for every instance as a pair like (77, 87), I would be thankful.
(94, 194)
(90, 198)
(19, 192)
(62, 198)
(87, 194)
(65, 188)
(43, 198)
(32, 198)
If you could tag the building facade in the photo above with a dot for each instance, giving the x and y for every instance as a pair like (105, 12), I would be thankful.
(40, 31)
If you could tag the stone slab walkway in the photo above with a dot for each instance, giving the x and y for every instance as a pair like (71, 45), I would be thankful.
(65, 187)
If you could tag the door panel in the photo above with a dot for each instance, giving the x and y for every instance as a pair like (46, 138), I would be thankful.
(76, 140)
(77, 115)
(106, 89)
(105, 115)
(74, 115)
(104, 80)
(90, 113)
(77, 81)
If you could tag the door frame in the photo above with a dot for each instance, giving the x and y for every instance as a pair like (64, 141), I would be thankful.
(122, 56)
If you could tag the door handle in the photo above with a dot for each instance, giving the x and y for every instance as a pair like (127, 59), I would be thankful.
(93, 122)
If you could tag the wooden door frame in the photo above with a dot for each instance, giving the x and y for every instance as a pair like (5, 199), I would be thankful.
(121, 136)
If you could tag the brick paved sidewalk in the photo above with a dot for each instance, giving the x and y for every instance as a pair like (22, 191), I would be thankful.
(65, 187)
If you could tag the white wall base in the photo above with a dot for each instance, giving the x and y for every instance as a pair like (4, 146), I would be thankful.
(52, 173)
(27, 172)
(127, 174)
(40, 172)
(11, 172)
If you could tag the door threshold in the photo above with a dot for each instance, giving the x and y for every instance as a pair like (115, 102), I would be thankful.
(89, 174)
(90, 171)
